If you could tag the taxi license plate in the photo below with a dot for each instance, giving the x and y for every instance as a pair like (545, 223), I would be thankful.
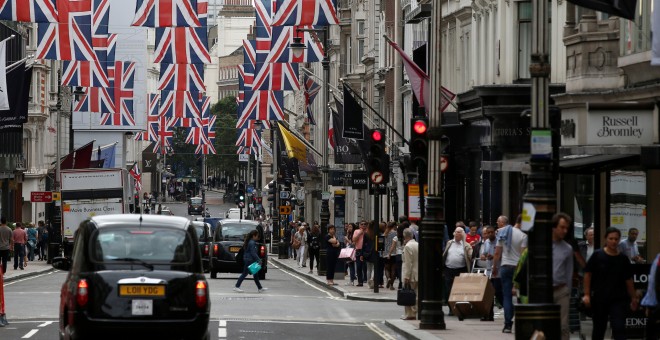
(234, 249)
(141, 290)
(142, 307)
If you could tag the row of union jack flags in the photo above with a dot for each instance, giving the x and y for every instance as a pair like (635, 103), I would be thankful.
(269, 66)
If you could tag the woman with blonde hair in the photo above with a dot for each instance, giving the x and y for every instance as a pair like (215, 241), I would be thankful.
(457, 257)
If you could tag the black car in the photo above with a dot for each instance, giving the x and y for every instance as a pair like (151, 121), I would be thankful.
(195, 206)
(134, 276)
(203, 230)
(228, 239)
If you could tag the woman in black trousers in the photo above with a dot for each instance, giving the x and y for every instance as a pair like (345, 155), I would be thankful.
(332, 251)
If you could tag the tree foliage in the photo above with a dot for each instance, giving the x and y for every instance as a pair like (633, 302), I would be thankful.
(225, 139)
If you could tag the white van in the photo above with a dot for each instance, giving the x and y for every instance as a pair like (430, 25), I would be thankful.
(235, 213)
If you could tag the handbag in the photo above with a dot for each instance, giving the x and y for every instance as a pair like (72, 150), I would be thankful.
(296, 244)
(254, 268)
(406, 296)
(347, 253)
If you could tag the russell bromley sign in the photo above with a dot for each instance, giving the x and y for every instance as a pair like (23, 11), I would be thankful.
(620, 127)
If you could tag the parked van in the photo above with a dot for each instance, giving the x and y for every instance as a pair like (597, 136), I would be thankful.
(235, 213)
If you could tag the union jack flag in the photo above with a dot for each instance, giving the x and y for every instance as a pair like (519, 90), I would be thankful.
(276, 77)
(117, 119)
(311, 90)
(165, 135)
(305, 12)
(28, 11)
(137, 176)
(261, 105)
(122, 77)
(262, 9)
(182, 45)
(248, 137)
(182, 77)
(202, 12)
(246, 150)
(211, 128)
(96, 99)
(205, 149)
(245, 77)
(153, 119)
(71, 37)
(250, 52)
(282, 36)
(166, 13)
(85, 73)
(179, 104)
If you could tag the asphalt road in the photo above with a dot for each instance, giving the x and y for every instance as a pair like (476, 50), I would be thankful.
(292, 308)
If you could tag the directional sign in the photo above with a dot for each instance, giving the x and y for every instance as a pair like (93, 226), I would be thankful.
(56, 195)
(360, 180)
(285, 195)
(41, 196)
(285, 210)
(444, 163)
(376, 177)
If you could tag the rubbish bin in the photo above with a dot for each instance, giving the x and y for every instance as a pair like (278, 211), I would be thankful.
(283, 251)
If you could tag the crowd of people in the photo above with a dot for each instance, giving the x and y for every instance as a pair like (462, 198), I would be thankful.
(24, 242)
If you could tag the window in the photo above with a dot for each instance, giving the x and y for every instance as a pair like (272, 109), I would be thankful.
(524, 38)
(628, 205)
(361, 39)
(636, 35)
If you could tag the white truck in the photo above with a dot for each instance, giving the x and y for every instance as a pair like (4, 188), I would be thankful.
(91, 192)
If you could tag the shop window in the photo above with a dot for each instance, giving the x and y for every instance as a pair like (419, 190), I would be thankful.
(628, 204)
(583, 203)
(636, 35)
(525, 36)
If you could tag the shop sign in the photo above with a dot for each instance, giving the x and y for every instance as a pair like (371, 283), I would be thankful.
(620, 127)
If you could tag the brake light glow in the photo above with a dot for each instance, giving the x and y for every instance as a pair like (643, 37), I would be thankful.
(206, 249)
(216, 250)
(262, 251)
(82, 295)
(201, 297)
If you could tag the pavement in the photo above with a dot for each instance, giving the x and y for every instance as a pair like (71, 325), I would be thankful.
(469, 328)
(33, 268)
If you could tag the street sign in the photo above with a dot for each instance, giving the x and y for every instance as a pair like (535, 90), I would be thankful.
(285, 195)
(376, 177)
(285, 210)
(56, 195)
(444, 164)
(41, 196)
(325, 195)
(360, 180)
(380, 189)
(243, 157)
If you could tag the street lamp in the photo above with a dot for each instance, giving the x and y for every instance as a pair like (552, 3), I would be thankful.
(298, 48)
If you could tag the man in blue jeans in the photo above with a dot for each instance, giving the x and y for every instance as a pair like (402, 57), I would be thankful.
(511, 242)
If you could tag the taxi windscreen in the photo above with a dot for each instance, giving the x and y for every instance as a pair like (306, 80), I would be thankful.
(155, 245)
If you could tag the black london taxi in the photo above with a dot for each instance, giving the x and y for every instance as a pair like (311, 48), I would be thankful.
(203, 230)
(228, 239)
(196, 206)
(134, 276)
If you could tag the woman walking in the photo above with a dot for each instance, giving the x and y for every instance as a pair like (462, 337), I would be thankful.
(32, 241)
(250, 256)
(607, 279)
(348, 241)
(332, 247)
(301, 238)
(390, 254)
(314, 246)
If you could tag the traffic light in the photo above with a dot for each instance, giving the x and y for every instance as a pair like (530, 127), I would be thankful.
(272, 191)
(419, 147)
(239, 197)
(378, 161)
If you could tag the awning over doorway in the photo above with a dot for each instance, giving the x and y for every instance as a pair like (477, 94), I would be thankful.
(571, 163)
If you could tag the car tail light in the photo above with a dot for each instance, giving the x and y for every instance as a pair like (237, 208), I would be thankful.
(201, 294)
(206, 250)
(82, 295)
(262, 251)
(216, 250)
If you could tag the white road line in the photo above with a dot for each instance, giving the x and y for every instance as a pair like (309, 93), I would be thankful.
(30, 334)
(222, 329)
(379, 331)
(47, 323)
(301, 322)
(223, 323)
(29, 278)
(305, 281)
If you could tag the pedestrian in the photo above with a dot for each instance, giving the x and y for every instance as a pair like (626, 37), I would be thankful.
(300, 239)
(628, 246)
(32, 234)
(562, 269)
(349, 229)
(650, 301)
(369, 253)
(250, 256)
(510, 244)
(6, 243)
(398, 257)
(472, 237)
(587, 246)
(358, 241)
(410, 269)
(332, 254)
(487, 253)
(20, 239)
(389, 252)
(457, 257)
(314, 247)
(380, 268)
(307, 239)
(42, 240)
(607, 280)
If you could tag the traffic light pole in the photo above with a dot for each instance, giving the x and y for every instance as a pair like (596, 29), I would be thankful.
(377, 275)
(325, 208)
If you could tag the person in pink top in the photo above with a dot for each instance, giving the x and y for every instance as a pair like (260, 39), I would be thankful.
(20, 239)
(358, 241)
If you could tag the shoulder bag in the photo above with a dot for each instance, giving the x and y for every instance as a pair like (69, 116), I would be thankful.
(347, 253)
(406, 296)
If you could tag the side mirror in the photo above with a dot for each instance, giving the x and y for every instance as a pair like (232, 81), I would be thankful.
(62, 263)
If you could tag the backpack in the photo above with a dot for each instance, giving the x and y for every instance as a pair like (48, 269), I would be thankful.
(314, 243)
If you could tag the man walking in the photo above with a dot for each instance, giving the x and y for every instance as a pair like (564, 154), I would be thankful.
(562, 269)
(510, 244)
(628, 246)
(358, 238)
(409, 272)
(6, 243)
(20, 239)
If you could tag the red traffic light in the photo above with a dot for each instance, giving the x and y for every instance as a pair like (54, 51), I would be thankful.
(376, 135)
(420, 127)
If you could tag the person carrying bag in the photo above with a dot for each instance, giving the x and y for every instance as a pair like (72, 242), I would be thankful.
(250, 258)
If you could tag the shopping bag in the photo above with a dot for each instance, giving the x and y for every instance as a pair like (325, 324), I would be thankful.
(406, 297)
(347, 253)
(254, 268)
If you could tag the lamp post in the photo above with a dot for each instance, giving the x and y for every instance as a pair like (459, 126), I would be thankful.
(297, 48)
(541, 312)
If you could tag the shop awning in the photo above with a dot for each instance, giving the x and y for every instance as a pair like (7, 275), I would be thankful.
(576, 162)
(507, 165)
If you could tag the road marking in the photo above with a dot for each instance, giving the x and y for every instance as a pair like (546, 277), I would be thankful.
(30, 334)
(304, 281)
(30, 278)
(222, 329)
(378, 331)
(47, 323)
(302, 322)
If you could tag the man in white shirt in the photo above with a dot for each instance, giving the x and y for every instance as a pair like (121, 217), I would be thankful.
(562, 269)
(510, 244)
(409, 270)
(628, 246)
(457, 257)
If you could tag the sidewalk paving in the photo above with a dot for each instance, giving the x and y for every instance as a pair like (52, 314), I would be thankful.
(471, 328)
(33, 268)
